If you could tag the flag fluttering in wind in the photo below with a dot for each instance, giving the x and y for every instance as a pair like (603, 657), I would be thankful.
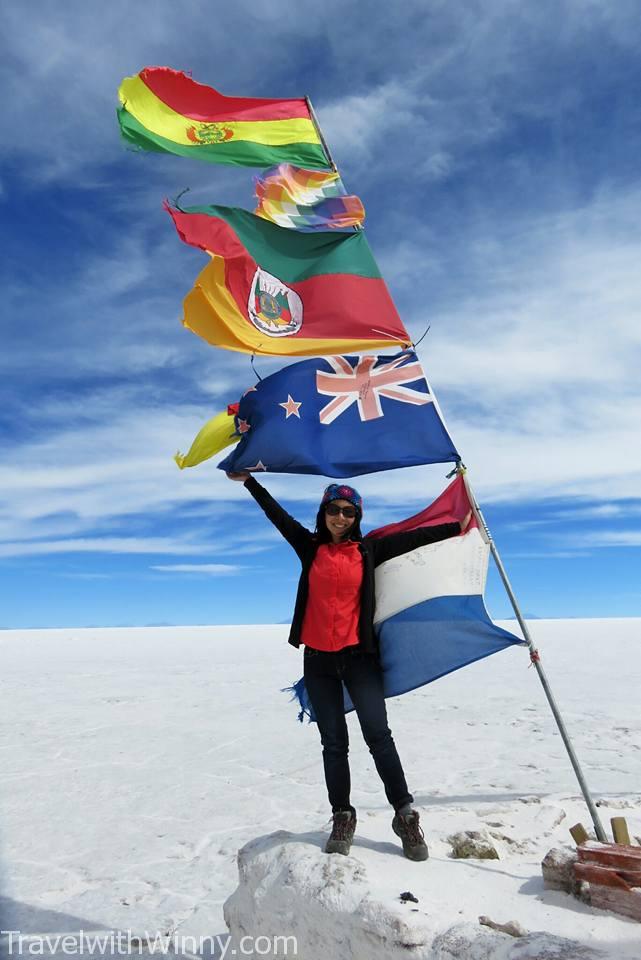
(217, 433)
(340, 417)
(306, 199)
(431, 617)
(287, 282)
(165, 111)
(274, 291)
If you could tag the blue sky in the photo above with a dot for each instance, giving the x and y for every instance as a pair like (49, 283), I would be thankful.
(495, 147)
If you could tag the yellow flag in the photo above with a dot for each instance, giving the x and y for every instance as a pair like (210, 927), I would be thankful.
(218, 433)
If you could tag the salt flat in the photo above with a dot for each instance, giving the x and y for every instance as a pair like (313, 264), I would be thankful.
(136, 762)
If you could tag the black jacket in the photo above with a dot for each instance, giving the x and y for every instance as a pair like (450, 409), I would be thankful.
(374, 552)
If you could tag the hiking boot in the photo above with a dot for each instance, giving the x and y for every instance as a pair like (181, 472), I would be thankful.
(340, 839)
(409, 830)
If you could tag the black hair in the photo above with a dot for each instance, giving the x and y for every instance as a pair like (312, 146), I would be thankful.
(324, 536)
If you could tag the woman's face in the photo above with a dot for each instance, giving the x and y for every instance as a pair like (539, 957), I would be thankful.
(337, 523)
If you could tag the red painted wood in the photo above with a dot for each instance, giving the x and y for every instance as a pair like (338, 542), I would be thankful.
(605, 876)
(611, 854)
(627, 904)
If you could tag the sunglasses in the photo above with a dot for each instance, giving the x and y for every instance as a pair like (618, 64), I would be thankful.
(333, 510)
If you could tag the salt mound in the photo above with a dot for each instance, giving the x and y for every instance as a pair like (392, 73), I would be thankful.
(348, 907)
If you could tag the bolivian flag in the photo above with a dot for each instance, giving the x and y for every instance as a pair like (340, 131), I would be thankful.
(275, 291)
(166, 111)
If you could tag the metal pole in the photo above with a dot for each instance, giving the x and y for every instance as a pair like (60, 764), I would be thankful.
(534, 657)
(320, 134)
(319, 131)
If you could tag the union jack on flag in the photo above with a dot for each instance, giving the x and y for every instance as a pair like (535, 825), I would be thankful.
(364, 384)
(380, 415)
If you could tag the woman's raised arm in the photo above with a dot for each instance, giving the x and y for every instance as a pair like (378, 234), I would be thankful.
(294, 532)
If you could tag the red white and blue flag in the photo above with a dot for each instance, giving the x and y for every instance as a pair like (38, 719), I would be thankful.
(431, 617)
(341, 417)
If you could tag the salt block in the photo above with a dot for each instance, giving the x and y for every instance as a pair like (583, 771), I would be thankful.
(472, 844)
(558, 869)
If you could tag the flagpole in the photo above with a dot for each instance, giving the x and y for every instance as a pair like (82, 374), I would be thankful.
(534, 654)
(312, 114)
(536, 660)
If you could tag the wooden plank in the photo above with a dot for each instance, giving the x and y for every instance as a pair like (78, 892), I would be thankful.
(606, 876)
(618, 901)
(579, 834)
(620, 830)
(610, 855)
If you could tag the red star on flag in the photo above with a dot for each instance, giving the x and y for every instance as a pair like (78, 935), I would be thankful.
(291, 407)
(257, 466)
(243, 426)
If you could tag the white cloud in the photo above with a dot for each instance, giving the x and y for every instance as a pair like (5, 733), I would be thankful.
(602, 511)
(534, 342)
(476, 67)
(536, 361)
(624, 509)
(610, 538)
(356, 123)
(102, 545)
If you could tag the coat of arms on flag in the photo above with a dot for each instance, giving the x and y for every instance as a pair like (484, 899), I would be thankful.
(250, 295)
(273, 307)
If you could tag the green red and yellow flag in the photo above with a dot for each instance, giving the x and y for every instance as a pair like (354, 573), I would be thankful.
(165, 111)
(275, 291)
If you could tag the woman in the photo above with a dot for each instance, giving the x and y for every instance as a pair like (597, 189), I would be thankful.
(333, 620)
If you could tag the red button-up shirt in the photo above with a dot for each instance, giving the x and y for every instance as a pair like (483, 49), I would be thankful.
(334, 600)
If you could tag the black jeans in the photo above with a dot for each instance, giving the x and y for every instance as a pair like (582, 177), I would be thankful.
(325, 674)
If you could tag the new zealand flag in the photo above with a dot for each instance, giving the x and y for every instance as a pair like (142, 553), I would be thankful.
(341, 417)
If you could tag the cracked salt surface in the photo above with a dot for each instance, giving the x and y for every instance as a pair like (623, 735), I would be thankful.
(137, 762)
